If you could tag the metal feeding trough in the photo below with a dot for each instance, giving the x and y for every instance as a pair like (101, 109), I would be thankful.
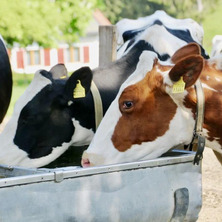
(165, 189)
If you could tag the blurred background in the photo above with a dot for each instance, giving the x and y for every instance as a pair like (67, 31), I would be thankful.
(41, 33)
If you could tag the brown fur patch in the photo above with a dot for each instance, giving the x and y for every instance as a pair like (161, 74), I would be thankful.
(213, 102)
(187, 50)
(189, 67)
(147, 119)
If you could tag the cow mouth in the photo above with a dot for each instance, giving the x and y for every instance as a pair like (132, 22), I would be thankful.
(85, 162)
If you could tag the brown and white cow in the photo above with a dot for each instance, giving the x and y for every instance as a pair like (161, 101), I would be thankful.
(148, 118)
(38, 134)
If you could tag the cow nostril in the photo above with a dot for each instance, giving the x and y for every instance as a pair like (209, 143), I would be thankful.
(85, 162)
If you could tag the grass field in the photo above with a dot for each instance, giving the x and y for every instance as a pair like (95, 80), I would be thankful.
(212, 26)
(20, 83)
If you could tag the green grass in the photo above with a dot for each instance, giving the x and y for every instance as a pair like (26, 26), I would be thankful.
(212, 26)
(20, 83)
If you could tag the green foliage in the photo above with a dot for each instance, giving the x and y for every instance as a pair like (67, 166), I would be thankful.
(209, 17)
(26, 21)
(112, 9)
(212, 26)
(44, 21)
(75, 15)
(22, 79)
(195, 9)
(20, 83)
(139, 8)
(117, 10)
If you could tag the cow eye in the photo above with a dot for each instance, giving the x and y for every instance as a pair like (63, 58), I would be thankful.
(127, 104)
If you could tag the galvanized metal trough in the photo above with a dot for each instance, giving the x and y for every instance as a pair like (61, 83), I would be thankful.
(165, 189)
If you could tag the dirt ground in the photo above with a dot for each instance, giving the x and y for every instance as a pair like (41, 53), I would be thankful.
(212, 188)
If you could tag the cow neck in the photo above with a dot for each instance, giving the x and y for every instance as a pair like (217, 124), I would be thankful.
(198, 140)
(97, 104)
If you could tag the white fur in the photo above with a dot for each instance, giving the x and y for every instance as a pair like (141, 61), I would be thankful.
(9, 153)
(181, 125)
(208, 87)
(82, 136)
(217, 79)
(217, 60)
(113, 114)
(129, 24)
(25, 161)
(216, 46)
(167, 44)
(37, 84)
(212, 144)
(102, 150)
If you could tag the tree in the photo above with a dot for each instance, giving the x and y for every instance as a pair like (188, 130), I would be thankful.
(195, 9)
(76, 15)
(44, 21)
(113, 9)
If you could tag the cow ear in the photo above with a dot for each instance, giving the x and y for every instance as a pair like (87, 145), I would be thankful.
(59, 71)
(188, 68)
(187, 50)
(44, 73)
(78, 84)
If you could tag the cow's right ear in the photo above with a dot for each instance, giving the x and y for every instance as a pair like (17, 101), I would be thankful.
(78, 84)
(189, 69)
(187, 50)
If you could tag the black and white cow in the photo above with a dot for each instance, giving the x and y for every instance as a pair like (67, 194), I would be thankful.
(47, 119)
(5, 80)
(128, 28)
(216, 46)
(130, 31)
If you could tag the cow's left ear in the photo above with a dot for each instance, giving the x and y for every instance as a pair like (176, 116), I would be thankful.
(78, 84)
(59, 71)
(189, 68)
(44, 73)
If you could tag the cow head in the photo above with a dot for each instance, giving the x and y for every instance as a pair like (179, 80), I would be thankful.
(175, 33)
(148, 116)
(43, 123)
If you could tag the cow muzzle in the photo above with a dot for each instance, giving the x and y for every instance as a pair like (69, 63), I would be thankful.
(85, 162)
(91, 159)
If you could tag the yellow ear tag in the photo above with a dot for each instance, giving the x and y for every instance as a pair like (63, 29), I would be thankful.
(63, 77)
(179, 86)
(79, 91)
